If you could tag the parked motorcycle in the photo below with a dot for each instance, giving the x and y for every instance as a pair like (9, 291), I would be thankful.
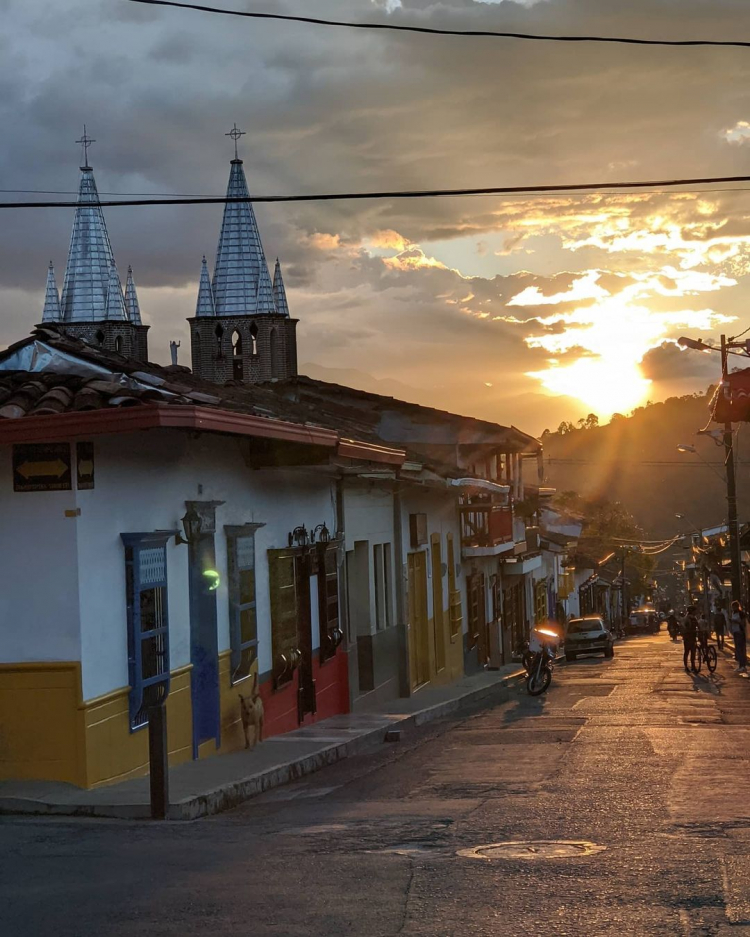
(540, 674)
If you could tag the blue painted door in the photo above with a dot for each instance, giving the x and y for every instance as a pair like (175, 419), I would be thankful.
(204, 650)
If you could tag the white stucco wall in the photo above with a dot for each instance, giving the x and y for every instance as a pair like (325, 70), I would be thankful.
(142, 482)
(368, 516)
(38, 573)
(442, 518)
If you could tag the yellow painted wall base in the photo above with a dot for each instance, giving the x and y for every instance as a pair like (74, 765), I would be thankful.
(48, 733)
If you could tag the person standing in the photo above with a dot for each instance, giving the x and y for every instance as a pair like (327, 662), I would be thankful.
(720, 626)
(689, 636)
(738, 625)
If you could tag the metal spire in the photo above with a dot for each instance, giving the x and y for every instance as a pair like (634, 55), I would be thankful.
(132, 309)
(234, 133)
(241, 284)
(205, 305)
(115, 302)
(279, 291)
(90, 258)
(51, 312)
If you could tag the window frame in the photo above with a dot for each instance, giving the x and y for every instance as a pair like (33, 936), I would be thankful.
(233, 533)
(135, 544)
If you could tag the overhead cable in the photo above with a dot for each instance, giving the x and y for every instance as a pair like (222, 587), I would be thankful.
(436, 31)
(395, 194)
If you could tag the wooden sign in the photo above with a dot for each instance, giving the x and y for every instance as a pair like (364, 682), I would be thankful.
(41, 467)
(85, 465)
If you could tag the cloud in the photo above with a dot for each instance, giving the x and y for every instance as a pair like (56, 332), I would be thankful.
(430, 287)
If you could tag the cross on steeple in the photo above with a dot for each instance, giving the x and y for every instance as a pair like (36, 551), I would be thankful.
(85, 143)
(234, 133)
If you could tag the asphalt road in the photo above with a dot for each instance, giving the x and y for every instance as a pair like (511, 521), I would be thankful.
(631, 754)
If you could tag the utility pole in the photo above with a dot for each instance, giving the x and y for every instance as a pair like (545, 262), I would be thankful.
(734, 533)
(624, 590)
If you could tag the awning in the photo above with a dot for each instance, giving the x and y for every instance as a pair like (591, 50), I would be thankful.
(479, 484)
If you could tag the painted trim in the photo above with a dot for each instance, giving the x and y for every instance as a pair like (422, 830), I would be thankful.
(62, 426)
(115, 694)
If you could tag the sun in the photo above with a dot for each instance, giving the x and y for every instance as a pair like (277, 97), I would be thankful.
(607, 386)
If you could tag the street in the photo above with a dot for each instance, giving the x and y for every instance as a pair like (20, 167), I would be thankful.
(633, 755)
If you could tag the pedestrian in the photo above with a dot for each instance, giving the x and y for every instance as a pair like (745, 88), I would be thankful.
(738, 626)
(720, 626)
(704, 630)
(689, 635)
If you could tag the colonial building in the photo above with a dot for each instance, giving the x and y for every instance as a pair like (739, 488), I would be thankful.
(93, 306)
(189, 530)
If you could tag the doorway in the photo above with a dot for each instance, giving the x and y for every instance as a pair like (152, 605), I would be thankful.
(204, 650)
(478, 633)
(419, 645)
(306, 701)
(438, 617)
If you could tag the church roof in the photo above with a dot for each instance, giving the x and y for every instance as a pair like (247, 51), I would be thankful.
(279, 291)
(51, 312)
(132, 307)
(90, 259)
(241, 284)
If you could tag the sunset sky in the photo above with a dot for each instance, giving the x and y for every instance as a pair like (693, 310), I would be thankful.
(524, 310)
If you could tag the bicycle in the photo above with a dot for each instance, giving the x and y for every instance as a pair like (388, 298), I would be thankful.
(705, 653)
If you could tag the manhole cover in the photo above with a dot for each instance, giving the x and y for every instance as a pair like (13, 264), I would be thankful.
(533, 849)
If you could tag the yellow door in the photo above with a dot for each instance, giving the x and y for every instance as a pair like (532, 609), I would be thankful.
(419, 648)
(437, 604)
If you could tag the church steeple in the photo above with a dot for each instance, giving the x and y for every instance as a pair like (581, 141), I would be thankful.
(132, 308)
(92, 306)
(242, 330)
(279, 291)
(241, 285)
(205, 304)
(51, 312)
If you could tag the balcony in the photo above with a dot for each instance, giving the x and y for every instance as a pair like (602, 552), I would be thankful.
(486, 529)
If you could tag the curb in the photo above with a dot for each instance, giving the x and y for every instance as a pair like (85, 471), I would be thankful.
(232, 794)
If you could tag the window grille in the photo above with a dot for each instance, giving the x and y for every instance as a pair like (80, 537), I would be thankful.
(328, 599)
(243, 622)
(148, 622)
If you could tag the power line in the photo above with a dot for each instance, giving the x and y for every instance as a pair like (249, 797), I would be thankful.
(395, 194)
(435, 31)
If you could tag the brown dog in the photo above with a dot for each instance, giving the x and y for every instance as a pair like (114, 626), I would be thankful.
(251, 711)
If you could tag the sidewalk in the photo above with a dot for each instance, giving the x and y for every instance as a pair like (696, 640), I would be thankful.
(208, 786)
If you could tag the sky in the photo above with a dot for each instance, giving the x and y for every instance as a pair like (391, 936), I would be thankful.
(523, 310)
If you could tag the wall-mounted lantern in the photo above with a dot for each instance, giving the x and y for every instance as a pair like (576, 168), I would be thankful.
(192, 525)
(322, 533)
(299, 537)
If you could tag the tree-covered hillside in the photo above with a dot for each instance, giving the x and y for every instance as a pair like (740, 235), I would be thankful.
(635, 460)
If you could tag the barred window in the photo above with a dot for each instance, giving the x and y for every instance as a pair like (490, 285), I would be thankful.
(148, 622)
(243, 621)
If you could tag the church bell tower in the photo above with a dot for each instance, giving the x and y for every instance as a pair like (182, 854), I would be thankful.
(92, 306)
(242, 330)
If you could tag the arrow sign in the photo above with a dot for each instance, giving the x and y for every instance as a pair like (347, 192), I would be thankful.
(41, 467)
(51, 469)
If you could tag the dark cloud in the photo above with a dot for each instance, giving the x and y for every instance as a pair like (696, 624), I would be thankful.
(669, 362)
(329, 110)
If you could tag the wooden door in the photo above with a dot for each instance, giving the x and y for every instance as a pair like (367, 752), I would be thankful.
(438, 618)
(419, 649)
(478, 616)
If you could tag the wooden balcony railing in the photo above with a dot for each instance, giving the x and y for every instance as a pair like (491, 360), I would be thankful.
(486, 525)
